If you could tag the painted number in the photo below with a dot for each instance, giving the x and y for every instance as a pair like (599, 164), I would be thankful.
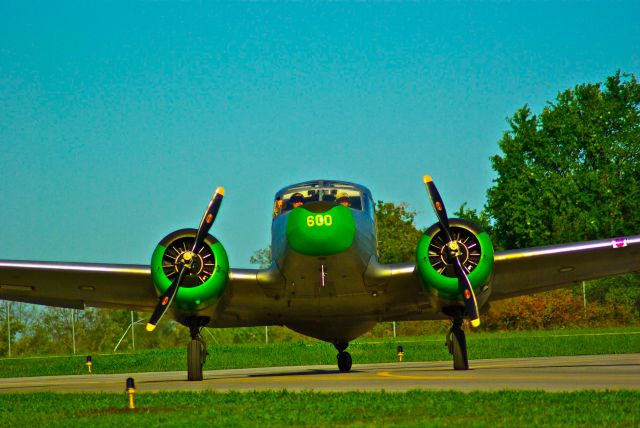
(319, 220)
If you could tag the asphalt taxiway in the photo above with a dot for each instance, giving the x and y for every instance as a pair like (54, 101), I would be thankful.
(550, 374)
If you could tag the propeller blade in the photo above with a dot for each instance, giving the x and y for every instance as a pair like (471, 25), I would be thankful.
(208, 218)
(438, 206)
(165, 300)
(469, 297)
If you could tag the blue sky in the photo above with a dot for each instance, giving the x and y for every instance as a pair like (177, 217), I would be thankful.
(118, 120)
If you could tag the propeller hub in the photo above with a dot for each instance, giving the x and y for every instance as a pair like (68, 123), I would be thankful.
(199, 265)
(464, 246)
(455, 248)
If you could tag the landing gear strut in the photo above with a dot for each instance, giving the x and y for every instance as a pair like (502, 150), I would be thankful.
(456, 342)
(196, 351)
(344, 358)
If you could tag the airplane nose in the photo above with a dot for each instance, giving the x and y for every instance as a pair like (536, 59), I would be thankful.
(320, 228)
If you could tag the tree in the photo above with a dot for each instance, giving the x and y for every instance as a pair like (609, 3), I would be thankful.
(397, 233)
(482, 218)
(261, 257)
(572, 173)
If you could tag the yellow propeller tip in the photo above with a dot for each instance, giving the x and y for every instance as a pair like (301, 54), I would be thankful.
(150, 327)
(475, 323)
(220, 190)
(427, 179)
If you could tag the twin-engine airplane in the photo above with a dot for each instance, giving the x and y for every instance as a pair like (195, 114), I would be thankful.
(325, 280)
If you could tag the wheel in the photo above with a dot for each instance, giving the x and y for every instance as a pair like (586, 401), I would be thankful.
(458, 348)
(344, 361)
(196, 355)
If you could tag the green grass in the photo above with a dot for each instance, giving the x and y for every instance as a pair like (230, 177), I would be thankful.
(280, 408)
(423, 348)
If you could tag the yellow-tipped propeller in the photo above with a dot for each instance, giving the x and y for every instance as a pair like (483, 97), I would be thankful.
(187, 259)
(453, 252)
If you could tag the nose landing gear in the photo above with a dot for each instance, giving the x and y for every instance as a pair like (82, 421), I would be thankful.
(344, 358)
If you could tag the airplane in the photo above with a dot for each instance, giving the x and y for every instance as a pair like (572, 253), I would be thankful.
(325, 280)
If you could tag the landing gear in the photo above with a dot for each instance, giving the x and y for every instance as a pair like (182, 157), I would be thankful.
(457, 344)
(196, 356)
(196, 352)
(344, 358)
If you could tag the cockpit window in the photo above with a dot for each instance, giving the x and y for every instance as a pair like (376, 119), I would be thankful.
(296, 196)
(347, 197)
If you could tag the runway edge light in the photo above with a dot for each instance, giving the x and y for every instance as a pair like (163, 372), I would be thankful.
(130, 390)
(89, 364)
(400, 353)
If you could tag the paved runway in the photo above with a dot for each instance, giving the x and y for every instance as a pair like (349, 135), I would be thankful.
(551, 374)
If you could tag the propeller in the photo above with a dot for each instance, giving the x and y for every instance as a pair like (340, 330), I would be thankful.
(187, 259)
(454, 253)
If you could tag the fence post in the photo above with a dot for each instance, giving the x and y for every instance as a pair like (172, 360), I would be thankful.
(8, 327)
(73, 329)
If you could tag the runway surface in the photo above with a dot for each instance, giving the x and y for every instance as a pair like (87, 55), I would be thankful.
(551, 374)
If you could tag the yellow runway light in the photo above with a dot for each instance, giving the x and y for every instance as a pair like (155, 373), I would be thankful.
(130, 390)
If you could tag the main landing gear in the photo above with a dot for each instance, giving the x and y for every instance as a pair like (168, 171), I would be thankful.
(344, 358)
(196, 352)
(457, 343)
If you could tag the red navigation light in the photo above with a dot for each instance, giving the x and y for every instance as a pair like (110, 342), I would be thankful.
(619, 243)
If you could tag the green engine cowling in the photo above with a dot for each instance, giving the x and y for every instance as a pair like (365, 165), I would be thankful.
(206, 281)
(438, 274)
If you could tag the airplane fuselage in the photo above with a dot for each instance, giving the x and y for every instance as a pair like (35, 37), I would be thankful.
(323, 249)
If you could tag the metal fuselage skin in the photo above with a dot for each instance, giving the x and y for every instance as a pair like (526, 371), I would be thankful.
(328, 296)
(325, 256)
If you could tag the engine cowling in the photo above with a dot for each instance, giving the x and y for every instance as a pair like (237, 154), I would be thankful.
(206, 280)
(438, 273)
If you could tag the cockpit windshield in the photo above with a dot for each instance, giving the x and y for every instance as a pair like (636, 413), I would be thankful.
(295, 196)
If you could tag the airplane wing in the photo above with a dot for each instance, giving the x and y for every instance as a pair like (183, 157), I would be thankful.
(76, 285)
(116, 286)
(531, 270)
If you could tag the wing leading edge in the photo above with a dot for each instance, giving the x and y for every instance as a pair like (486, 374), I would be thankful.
(76, 285)
(531, 270)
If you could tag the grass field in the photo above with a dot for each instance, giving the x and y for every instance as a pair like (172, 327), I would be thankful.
(266, 409)
(416, 408)
(424, 348)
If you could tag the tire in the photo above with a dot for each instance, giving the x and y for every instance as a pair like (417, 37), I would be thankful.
(344, 362)
(196, 353)
(459, 348)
